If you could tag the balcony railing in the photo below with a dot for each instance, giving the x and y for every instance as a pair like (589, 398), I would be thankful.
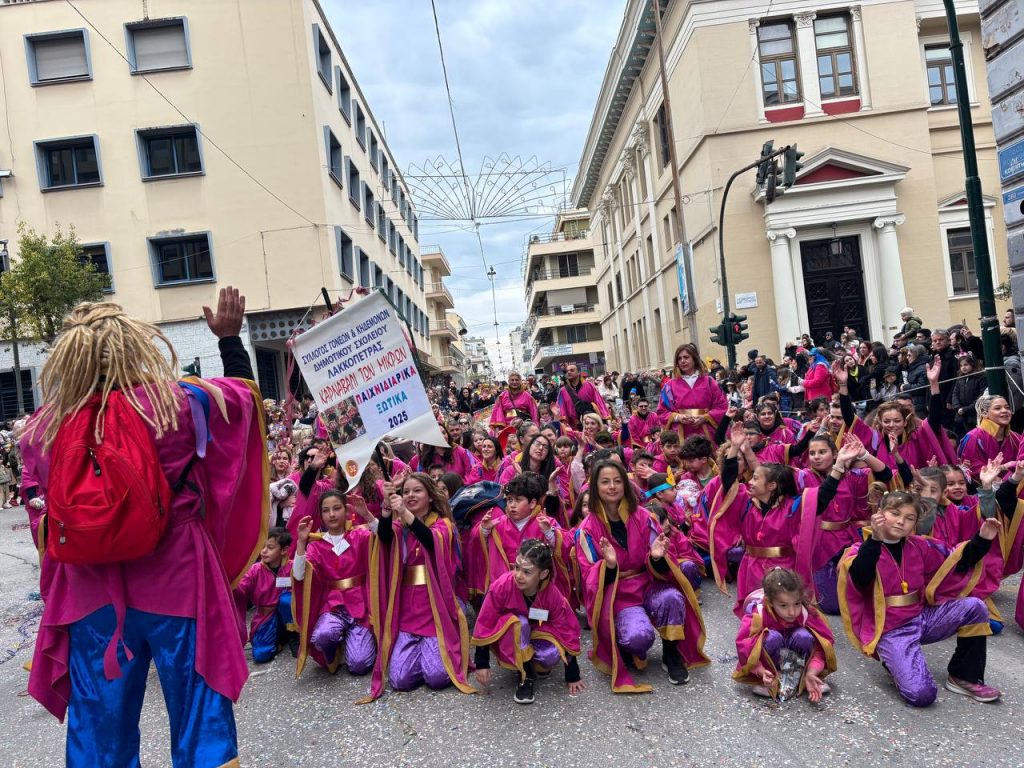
(559, 237)
(565, 309)
(442, 326)
(559, 273)
(441, 288)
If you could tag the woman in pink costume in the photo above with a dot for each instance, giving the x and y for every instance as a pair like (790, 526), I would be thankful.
(691, 402)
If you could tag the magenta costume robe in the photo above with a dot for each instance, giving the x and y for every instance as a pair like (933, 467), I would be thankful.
(705, 398)
(509, 407)
(460, 462)
(634, 577)
(212, 538)
(916, 447)
(981, 445)
(754, 629)
(331, 581)
(498, 623)
(771, 539)
(956, 523)
(928, 572)
(412, 591)
(643, 433)
(496, 552)
(839, 525)
(259, 587)
(481, 472)
(587, 393)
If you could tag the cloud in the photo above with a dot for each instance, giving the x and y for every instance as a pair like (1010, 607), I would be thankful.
(524, 77)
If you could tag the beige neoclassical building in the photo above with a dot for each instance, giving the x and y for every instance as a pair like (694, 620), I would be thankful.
(876, 220)
(195, 144)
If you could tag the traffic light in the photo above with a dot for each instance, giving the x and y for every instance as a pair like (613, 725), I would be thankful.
(791, 166)
(771, 183)
(720, 334)
(738, 328)
(762, 168)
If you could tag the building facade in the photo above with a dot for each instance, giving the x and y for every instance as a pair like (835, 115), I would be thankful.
(203, 145)
(478, 359)
(877, 219)
(562, 302)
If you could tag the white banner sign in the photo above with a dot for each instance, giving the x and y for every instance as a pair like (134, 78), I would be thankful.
(360, 369)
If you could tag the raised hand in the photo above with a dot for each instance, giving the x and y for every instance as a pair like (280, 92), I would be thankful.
(545, 523)
(357, 504)
(486, 523)
(991, 471)
(840, 374)
(608, 553)
(395, 504)
(318, 458)
(659, 547)
(934, 370)
(731, 412)
(990, 528)
(877, 521)
(230, 313)
(853, 440)
(303, 531)
(849, 453)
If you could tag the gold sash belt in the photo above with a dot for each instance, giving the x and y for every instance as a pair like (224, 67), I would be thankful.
(353, 581)
(414, 576)
(902, 601)
(769, 552)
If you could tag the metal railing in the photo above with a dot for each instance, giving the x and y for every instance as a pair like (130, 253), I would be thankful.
(442, 289)
(560, 273)
(559, 237)
(443, 326)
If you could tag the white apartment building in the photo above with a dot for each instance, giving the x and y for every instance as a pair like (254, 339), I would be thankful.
(196, 144)
(563, 308)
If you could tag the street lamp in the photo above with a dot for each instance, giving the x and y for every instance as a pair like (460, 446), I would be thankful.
(5, 267)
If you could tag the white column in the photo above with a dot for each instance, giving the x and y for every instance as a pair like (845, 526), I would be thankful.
(752, 25)
(787, 319)
(807, 60)
(861, 57)
(894, 297)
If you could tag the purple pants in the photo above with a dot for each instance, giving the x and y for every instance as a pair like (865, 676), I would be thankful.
(337, 627)
(799, 641)
(635, 626)
(900, 649)
(692, 573)
(545, 654)
(417, 659)
(826, 585)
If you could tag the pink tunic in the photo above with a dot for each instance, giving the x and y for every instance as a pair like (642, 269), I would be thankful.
(506, 407)
(677, 397)
(259, 587)
(208, 545)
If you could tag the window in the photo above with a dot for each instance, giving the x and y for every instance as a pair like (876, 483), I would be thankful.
(344, 96)
(777, 54)
(392, 237)
(650, 255)
(941, 86)
(346, 253)
(374, 149)
(364, 269)
(354, 182)
(98, 254)
(154, 46)
(170, 152)
(835, 57)
(401, 251)
(67, 163)
(58, 57)
(382, 223)
(611, 298)
(334, 156)
(641, 176)
(568, 265)
(618, 286)
(182, 259)
(961, 261)
(384, 169)
(661, 137)
(378, 277)
(676, 315)
(369, 205)
(322, 49)
(360, 126)
(575, 334)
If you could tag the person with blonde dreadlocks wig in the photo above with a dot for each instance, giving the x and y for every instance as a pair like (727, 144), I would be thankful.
(112, 604)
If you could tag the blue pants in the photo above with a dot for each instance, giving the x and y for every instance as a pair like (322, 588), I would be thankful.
(103, 715)
(268, 635)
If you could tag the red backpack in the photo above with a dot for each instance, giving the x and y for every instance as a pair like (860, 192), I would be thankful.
(106, 502)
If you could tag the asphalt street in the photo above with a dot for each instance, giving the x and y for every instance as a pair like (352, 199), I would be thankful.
(711, 721)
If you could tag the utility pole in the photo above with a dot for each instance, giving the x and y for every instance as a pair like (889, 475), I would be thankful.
(494, 303)
(976, 214)
(5, 268)
(691, 320)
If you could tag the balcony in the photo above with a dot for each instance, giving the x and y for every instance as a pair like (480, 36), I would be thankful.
(559, 237)
(554, 279)
(449, 365)
(545, 355)
(560, 317)
(443, 327)
(433, 256)
(439, 292)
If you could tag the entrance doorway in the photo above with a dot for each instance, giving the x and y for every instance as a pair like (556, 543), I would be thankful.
(834, 287)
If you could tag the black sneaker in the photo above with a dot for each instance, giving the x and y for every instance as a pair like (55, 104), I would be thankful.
(524, 692)
(672, 663)
(293, 644)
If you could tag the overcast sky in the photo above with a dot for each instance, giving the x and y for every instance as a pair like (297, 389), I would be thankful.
(524, 76)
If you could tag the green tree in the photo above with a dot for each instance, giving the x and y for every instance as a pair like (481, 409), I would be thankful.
(50, 276)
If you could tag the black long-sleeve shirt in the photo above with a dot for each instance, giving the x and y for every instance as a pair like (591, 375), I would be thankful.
(386, 533)
(862, 569)
(1006, 498)
(234, 358)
